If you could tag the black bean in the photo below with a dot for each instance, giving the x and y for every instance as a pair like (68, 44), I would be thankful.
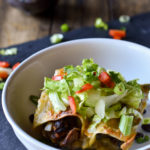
(31, 118)
(146, 127)
(138, 135)
(61, 130)
(144, 112)
(58, 124)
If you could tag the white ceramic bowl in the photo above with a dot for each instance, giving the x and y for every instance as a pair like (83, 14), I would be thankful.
(132, 60)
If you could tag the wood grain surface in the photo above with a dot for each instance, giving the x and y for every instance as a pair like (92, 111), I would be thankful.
(17, 26)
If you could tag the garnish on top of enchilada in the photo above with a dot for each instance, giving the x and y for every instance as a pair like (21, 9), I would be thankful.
(89, 107)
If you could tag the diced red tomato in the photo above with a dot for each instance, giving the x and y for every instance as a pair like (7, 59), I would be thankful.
(117, 37)
(117, 33)
(15, 65)
(106, 79)
(72, 104)
(3, 74)
(111, 84)
(61, 72)
(57, 77)
(4, 64)
(85, 87)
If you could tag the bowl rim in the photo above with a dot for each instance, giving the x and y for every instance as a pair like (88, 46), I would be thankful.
(8, 116)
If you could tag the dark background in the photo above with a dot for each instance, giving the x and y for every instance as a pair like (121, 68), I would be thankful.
(18, 26)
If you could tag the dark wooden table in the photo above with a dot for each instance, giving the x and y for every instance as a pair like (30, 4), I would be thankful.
(17, 26)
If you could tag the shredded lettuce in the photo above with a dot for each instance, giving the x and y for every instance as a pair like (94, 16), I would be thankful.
(100, 69)
(89, 65)
(100, 108)
(69, 69)
(114, 112)
(116, 76)
(99, 103)
(95, 121)
(73, 75)
(110, 114)
(122, 112)
(116, 107)
(96, 84)
(78, 83)
(93, 98)
(56, 102)
(87, 112)
(89, 77)
(83, 96)
(67, 86)
(64, 97)
(133, 97)
(132, 111)
(106, 91)
(56, 86)
(113, 99)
